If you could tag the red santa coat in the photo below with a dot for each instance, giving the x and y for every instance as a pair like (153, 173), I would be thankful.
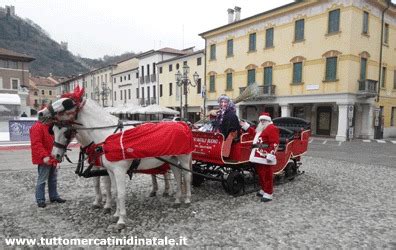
(41, 142)
(269, 136)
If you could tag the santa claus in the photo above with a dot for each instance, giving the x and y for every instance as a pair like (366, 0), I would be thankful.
(265, 143)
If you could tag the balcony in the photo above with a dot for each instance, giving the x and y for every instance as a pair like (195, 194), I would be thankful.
(265, 92)
(141, 101)
(147, 102)
(141, 80)
(153, 77)
(367, 88)
(147, 79)
(153, 100)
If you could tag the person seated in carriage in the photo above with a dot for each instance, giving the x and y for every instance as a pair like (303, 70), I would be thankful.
(265, 143)
(227, 122)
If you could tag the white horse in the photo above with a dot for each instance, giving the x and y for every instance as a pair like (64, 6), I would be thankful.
(91, 115)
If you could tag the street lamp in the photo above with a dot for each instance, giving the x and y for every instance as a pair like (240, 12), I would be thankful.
(104, 92)
(182, 80)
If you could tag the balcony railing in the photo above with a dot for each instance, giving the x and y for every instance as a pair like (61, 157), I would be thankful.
(141, 80)
(147, 79)
(153, 100)
(153, 77)
(266, 91)
(147, 102)
(141, 101)
(367, 88)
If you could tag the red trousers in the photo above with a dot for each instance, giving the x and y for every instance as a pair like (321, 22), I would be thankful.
(265, 174)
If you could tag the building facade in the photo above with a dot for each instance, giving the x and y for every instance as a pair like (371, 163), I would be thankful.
(172, 95)
(125, 82)
(42, 91)
(14, 80)
(318, 60)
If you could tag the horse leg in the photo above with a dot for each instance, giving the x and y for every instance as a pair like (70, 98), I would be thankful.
(168, 189)
(155, 185)
(98, 193)
(177, 173)
(187, 163)
(107, 186)
(119, 175)
(113, 185)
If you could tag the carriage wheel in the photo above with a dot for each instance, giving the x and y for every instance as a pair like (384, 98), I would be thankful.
(290, 171)
(197, 180)
(235, 183)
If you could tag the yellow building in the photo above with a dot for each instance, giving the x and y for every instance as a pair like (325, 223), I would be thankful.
(171, 94)
(318, 60)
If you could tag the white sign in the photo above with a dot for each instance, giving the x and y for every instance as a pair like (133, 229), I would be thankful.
(312, 86)
(350, 110)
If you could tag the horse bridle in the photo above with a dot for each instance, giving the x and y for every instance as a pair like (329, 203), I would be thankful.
(70, 131)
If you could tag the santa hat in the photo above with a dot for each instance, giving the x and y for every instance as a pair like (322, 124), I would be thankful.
(265, 116)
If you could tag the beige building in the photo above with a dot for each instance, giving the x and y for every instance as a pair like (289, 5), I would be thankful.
(42, 91)
(318, 60)
(171, 94)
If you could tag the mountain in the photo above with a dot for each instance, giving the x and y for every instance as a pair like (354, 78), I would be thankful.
(25, 36)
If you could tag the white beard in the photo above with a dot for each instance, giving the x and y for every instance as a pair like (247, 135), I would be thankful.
(260, 128)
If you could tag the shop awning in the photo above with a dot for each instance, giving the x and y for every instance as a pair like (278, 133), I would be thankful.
(12, 99)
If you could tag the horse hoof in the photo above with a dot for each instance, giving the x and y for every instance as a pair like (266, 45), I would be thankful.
(152, 194)
(107, 210)
(96, 206)
(165, 195)
(121, 226)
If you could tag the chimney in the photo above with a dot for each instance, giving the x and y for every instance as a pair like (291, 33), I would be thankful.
(230, 15)
(237, 13)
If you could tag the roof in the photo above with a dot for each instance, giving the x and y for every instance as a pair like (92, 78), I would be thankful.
(8, 54)
(42, 81)
(252, 17)
(182, 56)
(163, 50)
(13, 99)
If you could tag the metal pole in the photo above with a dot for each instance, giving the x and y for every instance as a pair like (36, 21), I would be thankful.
(186, 105)
(181, 100)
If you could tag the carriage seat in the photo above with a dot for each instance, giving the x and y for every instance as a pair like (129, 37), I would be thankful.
(285, 135)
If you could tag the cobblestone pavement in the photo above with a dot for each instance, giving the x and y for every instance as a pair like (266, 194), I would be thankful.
(335, 204)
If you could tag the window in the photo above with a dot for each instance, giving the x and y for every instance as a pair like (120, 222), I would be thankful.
(363, 68)
(229, 81)
(148, 92)
(213, 52)
(125, 96)
(160, 90)
(365, 22)
(142, 74)
(115, 80)
(137, 74)
(50, 92)
(142, 93)
(393, 117)
(129, 94)
(14, 84)
(115, 96)
(212, 83)
(154, 91)
(299, 30)
(137, 93)
(120, 78)
(13, 65)
(177, 66)
(170, 67)
(120, 94)
(148, 69)
(297, 72)
(251, 76)
(269, 38)
(124, 78)
(334, 21)
(170, 89)
(35, 93)
(383, 78)
(199, 86)
(394, 79)
(3, 64)
(267, 76)
(154, 68)
(43, 92)
(252, 42)
(129, 76)
(331, 69)
(199, 61)
(160, 70)
(386, 33)
(185, 63)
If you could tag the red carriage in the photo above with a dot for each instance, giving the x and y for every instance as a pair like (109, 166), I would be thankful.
(236, 172)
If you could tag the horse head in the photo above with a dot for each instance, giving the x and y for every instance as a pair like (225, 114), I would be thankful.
(63, 134)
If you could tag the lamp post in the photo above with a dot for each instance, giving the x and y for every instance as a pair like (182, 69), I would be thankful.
(104, 92)
(183, 81)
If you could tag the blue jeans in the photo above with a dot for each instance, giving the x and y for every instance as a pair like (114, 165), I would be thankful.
(46, 172)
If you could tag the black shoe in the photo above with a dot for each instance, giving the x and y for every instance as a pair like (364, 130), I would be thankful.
(263, 199)
(58, 200)
(41, 204)
(259, 194)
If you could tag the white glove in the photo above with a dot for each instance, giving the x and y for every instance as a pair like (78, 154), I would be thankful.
(46, 160)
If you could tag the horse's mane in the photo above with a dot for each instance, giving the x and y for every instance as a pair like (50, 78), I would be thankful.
(94, 115)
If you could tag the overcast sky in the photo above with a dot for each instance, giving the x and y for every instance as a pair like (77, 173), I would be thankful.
(94, 28)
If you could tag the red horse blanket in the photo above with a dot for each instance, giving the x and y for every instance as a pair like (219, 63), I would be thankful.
(149, 140)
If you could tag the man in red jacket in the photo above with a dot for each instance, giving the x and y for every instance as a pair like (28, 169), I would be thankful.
(265, 143)
(41, 144)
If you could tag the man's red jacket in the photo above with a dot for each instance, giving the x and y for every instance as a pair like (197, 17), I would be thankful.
(41, 142)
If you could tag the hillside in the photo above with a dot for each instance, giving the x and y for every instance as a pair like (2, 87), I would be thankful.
(24, 36)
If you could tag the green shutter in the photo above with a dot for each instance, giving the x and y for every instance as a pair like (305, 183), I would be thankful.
(331, 68)
(334, 21)
(251, 76)
(230, 47)
(269, 38)
(363, 68)
(297, 72)
(252, 42)
(229, 81)
(365, 22)
(267, 76)
(299, 30)
(212, 84)
(213, 52)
